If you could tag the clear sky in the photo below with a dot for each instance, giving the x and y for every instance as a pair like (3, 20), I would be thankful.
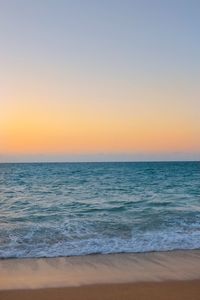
(99, 80)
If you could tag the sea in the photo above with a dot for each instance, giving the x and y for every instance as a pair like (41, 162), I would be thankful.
(72, 209)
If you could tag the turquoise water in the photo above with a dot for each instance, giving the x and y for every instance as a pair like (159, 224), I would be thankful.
(61, 209)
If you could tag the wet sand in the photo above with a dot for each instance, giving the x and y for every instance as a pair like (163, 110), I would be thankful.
(158, 275)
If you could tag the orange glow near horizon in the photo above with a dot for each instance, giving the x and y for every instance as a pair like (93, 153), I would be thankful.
(37, 130)
(144, 118)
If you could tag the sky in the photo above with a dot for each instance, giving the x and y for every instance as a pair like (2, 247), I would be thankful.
(90, 80)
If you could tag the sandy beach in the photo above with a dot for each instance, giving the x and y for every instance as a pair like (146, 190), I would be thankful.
(156, 275)
(175, 290)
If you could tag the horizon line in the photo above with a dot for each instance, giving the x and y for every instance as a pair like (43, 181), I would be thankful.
(108, 161)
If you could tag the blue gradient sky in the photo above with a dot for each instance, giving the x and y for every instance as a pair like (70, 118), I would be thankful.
(88, 80)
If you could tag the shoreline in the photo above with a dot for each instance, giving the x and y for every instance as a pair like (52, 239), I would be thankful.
(98, 254)
(76, 271)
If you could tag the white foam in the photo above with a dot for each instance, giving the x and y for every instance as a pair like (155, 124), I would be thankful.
(143, 242)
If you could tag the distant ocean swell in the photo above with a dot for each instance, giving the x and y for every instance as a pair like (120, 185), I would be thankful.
(49, 210)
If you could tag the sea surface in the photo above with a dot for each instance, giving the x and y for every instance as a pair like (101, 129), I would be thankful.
(67, 209)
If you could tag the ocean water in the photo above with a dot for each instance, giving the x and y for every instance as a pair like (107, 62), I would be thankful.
(67, 209)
